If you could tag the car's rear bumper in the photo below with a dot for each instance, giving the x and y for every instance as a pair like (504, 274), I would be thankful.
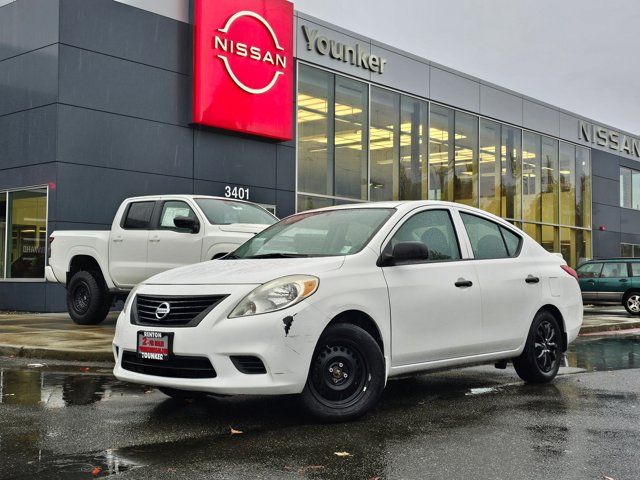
(50, 275)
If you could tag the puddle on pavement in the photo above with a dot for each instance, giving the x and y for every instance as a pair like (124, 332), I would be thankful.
(617, 352)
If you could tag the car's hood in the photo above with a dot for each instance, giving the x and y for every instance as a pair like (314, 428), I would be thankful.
(257, 271)
(243, 227)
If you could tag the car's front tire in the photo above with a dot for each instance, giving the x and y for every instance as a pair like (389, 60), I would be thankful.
(631, 303)
(540, 360)
(88, 300)
(347, 374)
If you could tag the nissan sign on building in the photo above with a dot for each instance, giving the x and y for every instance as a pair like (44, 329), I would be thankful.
(248, 99)
(243, 66)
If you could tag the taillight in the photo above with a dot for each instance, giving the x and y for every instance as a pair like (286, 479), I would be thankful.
(570, 271)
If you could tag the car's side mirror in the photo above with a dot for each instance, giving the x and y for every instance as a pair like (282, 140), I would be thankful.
(404, 252)
(187, 223)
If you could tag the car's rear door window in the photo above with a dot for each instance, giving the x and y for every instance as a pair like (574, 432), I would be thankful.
(139, 216)
(614, 270)
(635, 269)
(589, 270)
(488, 239)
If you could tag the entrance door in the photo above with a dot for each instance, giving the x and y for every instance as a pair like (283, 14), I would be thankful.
(170, 246)
(435, 304)
(129, 243)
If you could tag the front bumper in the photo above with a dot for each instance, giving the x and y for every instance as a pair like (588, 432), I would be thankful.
(286, 356)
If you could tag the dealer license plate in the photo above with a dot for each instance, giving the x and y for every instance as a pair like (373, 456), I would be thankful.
(153, 345)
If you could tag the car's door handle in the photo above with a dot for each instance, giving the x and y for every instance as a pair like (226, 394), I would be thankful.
(154, 240)
(623, 280)
(532, 279)
(118, 240)
(593, 282)
(462, 283)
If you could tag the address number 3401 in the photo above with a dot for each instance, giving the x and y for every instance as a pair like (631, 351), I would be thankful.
(241, 193)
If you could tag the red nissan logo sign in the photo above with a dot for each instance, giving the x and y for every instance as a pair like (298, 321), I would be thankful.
(243, 68)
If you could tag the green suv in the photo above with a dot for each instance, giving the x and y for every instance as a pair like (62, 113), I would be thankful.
(611, 282)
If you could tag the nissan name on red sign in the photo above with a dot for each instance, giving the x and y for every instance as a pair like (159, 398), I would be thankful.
(243, 66)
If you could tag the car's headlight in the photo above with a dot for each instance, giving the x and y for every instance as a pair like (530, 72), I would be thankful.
(276, 295)
(129, 300)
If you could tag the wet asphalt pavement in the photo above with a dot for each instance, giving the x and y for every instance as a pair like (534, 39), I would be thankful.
(68, 420)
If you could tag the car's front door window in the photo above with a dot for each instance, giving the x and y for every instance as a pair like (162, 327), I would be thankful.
(435, 230)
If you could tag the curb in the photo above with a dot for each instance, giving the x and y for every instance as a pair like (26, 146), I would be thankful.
(52, 354)
(609, 327)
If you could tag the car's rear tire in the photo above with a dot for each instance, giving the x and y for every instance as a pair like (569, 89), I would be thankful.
(88, 300)
(631, 303)
(540, 360)
(347, 374)
(182, 395)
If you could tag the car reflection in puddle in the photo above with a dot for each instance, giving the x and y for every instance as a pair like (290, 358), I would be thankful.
(616, 352)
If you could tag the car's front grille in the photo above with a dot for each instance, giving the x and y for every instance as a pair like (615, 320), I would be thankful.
(248, 365)
(172, 311)
(176, 366)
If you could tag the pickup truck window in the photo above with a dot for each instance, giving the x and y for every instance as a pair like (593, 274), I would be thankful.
(171, 210)
(226, 212)
(138, 216)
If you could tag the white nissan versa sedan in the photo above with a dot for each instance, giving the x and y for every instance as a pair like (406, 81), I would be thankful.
(331, 303)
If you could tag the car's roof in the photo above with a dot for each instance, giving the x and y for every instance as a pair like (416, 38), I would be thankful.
(395, 204)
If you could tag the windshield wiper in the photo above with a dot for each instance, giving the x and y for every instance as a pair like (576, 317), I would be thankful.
(280, 255)
(229, 256)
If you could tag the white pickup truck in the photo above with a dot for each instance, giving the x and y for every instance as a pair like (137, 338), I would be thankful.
(149, 235)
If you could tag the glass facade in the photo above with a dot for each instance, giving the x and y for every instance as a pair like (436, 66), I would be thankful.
(359, 142)
(629, 188)
(23, 234)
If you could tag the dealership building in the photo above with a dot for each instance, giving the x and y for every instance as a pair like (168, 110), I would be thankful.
(101, 100)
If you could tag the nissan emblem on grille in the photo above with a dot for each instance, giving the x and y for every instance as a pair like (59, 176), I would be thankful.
(163, 310)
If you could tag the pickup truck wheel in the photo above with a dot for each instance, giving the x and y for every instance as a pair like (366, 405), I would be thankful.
(347, 374)
(88, 300)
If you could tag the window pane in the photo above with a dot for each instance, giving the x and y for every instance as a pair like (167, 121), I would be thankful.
(549, 181)
(384, 144)
(351, 138)
(636, 251)
(307, 202)
(485, 237)
(489, 166)
(27, 233)
(567, 184)
(549, 238)
(626, 250)
(3, 231)
(433, 228)
(625, 187)
(139, 215)
(512, 241)
(635, 189)
(583, 188)
(171, 210)
(568, 245)
(614, 270)
(635, 269)
(511, 169)
(466, 159)
(441, 150)
(531, 177)
(315, 124)
(590, 270)
(583, 245)
(413, 149)
(532, 230)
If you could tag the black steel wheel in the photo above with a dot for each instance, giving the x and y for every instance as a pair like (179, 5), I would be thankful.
(88, 300)
(540, 360)
(346, 376)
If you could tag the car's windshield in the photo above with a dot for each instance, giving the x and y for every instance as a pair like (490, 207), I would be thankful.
(316, 234)
(225, 212)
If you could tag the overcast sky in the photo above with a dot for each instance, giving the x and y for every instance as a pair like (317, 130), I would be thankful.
(581, 55)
